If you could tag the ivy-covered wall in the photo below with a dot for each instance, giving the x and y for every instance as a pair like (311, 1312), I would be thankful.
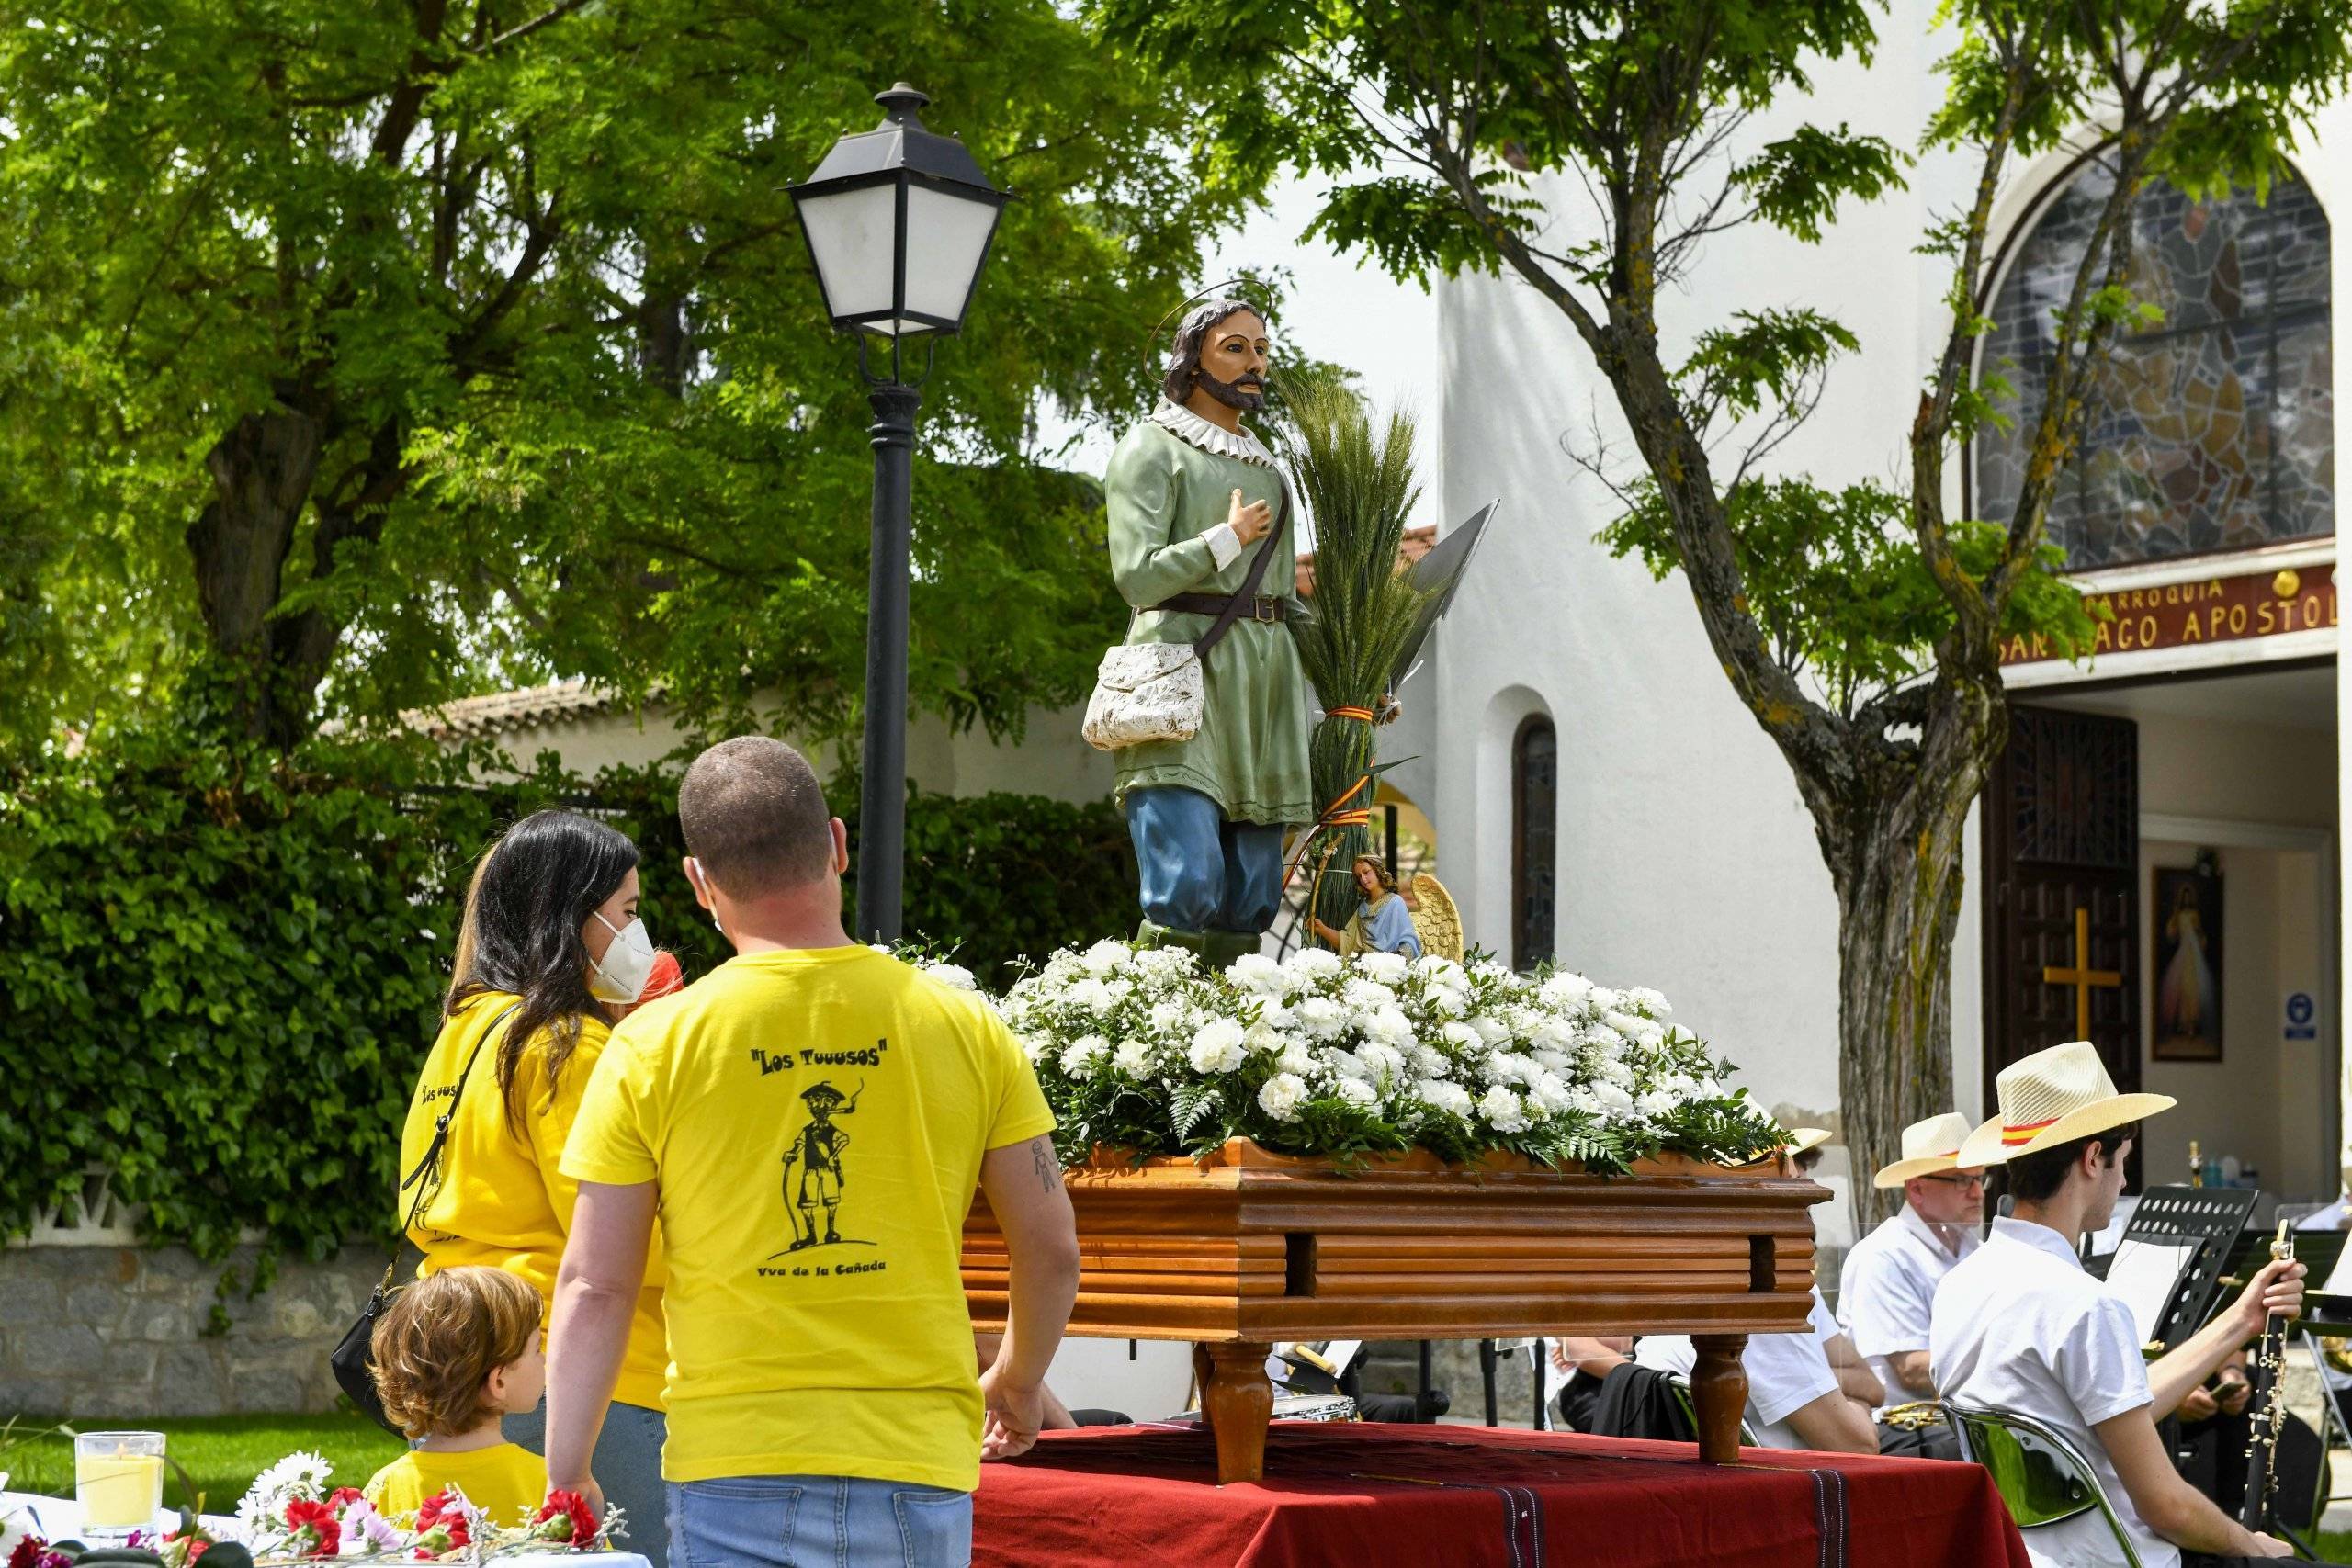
(220, 968)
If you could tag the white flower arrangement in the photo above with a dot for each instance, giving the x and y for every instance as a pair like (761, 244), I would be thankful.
(1147, 1051)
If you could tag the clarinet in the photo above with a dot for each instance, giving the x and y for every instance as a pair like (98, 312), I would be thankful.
(2266, 1411)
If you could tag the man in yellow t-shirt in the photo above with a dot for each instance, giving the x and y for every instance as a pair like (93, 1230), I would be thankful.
(808, 1124)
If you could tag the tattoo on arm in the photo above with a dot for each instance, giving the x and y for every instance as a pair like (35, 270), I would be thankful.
(1041, 1156)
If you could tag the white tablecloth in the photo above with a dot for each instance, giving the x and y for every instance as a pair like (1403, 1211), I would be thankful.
(59, 1519)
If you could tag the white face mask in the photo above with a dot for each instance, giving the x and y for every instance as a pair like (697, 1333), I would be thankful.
(627, 963)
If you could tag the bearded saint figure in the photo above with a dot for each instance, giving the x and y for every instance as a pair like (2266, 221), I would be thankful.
(1192, 495)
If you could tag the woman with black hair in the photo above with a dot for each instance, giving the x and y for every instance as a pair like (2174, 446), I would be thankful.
(551, 942)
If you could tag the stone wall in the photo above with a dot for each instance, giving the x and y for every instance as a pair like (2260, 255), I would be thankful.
(89, 1332)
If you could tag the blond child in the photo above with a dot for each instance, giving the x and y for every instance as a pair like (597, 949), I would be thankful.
(455, 1352)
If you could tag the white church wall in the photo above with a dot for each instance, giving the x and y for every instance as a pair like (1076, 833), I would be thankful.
(1685, 859)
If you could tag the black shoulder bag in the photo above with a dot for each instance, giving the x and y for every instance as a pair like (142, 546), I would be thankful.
(354, 1358)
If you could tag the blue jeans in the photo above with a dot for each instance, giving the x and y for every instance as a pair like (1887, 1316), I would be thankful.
(818, 1521)
(626, 1464)
(1201, 872)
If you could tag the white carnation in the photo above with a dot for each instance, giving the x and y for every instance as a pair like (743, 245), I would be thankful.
(1388, 968)
(1262, 1037)
(1491, 1030)
(1321, 1017)
(1565, 990)
(1505, 1067)
(1502, 1110)
(1090, 994)
(1612, 1097)
(1355, 1091)
(1548, 1093)
(1107, 957)
(952, 975)
(1313, 963)
(1134, 1057)
(1281, 1095)
(1084, 1054)
(1297, 1059)
(1461, 1036)
(1657, 1103)
(1384, 1062)
(1450, 1098)
(1256, 972)
(1367, 996)
(1346, 1064)
(1389, 1027)
(1216, 1046)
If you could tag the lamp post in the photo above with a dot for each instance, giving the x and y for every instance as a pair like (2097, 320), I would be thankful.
(899, 220)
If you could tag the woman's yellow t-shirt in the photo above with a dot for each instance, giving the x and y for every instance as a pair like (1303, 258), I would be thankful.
(504, 1200)
(504, 1481)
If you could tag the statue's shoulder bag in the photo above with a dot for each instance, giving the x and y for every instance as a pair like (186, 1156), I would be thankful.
(354, 1358)
(1153, 691)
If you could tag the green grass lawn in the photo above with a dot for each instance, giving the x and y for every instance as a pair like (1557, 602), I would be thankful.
(220, 1453)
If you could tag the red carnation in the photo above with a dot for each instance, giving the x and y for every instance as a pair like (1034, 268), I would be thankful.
(441, 1523)
(342, 1497)
(317, 1521)
(28, 1552)
(565, 1516)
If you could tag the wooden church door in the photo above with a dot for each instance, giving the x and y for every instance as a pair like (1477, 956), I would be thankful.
(2061, 915)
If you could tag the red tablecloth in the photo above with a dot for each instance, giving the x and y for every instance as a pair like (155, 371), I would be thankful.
(1366, 1495)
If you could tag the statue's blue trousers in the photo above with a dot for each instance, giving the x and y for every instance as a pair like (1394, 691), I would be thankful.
(1200, 871)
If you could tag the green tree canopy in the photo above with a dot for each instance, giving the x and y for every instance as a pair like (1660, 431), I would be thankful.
(371, 353)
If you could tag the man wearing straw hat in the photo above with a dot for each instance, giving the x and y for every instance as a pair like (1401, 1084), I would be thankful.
(2019, 1326)
(1888, 1283)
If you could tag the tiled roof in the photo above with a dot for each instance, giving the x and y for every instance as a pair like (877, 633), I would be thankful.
(1416, 543)
(502, 711)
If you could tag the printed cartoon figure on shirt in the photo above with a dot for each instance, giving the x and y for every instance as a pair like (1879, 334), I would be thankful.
(813, 1177)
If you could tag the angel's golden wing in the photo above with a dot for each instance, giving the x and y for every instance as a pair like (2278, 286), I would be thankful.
(1437, 923)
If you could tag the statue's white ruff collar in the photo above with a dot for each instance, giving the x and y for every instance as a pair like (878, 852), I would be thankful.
(1186, 426)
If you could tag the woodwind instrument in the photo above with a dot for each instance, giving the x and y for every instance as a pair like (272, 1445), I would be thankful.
(2266, 1411)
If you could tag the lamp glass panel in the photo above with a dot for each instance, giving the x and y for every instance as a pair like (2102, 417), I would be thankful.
(852, 234)
(948, 237)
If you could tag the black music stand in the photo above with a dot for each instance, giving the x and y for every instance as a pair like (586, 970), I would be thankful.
(2211, 1219)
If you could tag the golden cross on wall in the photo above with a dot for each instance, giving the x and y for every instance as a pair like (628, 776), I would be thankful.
(2082, 976)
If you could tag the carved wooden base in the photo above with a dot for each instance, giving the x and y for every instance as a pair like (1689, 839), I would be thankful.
(1719, 1389)
(1237, 1401)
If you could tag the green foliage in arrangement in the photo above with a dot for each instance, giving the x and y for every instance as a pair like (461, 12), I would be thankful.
(225, 965)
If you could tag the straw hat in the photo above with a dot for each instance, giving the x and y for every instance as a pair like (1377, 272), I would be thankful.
(1929, 1148)
(1804, 1140)
(2053, 1096)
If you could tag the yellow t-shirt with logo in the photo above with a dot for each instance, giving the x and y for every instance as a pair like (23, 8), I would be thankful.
(815, 1121)
(504, 1200)
(505, 1482)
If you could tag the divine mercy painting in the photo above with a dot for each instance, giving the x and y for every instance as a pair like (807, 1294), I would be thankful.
(2186, 918)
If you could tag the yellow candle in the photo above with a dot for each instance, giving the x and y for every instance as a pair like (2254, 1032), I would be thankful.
(118, 1491)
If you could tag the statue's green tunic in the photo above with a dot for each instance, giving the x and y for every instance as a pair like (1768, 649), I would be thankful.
(1163, 494)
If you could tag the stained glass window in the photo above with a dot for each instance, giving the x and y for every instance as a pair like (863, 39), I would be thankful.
(2209, 430)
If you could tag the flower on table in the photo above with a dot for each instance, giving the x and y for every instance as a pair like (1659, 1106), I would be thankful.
(361, 1522)
(565, 1517)
(312, 1528)
(444, 1523)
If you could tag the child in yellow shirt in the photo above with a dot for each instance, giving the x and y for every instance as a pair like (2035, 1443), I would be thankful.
(455, 1352)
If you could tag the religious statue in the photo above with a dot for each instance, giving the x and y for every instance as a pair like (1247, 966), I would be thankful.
(1381, 924)
(1194, 500)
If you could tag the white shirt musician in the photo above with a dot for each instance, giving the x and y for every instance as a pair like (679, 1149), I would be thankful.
(1797, 1397)
(2020, 1327)
(1888, 1285)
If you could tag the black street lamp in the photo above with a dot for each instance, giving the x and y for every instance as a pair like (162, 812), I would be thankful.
(899, 220)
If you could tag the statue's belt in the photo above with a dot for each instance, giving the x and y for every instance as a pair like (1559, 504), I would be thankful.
(1266, 608)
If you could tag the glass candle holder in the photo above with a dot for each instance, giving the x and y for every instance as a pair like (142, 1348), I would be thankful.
(119, 1482)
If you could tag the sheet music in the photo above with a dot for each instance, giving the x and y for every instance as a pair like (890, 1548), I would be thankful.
(2144, 1274)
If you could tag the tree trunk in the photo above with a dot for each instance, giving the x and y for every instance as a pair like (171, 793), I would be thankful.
(263, 472)
(1897, 859)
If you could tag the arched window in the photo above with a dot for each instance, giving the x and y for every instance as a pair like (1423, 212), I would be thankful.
(1535, 840)
(2210, 429)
